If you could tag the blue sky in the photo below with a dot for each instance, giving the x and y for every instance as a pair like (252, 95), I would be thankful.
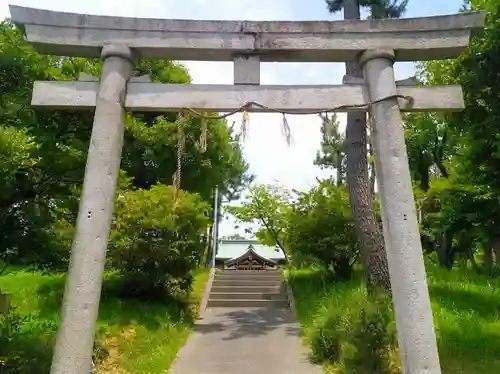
(270, 158)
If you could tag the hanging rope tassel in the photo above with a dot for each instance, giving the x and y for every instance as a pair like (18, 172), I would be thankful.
(244, 124)
(285, 130)
(181, 142)
(203, 135)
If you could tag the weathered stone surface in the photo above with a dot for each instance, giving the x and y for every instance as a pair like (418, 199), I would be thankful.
(146, 78)
(410, 81)
(417, 339)
(84, 77)
(413, 39)
(224, 98)
(247, 70)
(75, 338)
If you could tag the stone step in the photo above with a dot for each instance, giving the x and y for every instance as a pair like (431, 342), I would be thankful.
(245, 289)
(247, 283)
(238, 303)
(251, 277)
(247, 296)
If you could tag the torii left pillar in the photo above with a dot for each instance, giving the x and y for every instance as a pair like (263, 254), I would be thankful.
(75, 338)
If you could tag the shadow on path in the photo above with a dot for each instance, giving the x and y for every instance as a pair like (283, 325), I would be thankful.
(242, 323)
(245, 341)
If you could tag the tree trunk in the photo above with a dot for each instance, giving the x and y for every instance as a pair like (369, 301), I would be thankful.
(339, 168)
(207, 238)
(343, 268)
(488, 259)
(423, 170)
(373, 175)
(4, 303)
(208, 246)
(446, 253)
(210, 236)
(475, 266)
(495, 244)
(369, 234)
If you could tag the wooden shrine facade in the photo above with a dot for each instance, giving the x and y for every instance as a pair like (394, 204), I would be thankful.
(250, 260)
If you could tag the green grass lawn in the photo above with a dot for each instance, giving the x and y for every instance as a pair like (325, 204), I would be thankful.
(466, 309)
(133, 336)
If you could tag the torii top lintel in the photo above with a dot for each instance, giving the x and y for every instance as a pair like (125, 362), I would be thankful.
(413, 39)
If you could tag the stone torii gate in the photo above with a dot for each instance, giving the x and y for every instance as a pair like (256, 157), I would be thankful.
(119, 42)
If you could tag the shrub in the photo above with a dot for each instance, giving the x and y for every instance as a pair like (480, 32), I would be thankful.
(23, 350)
(321, 226)
(156, 239)
(53, 245)
(371, 346)
(362, 341)
(326, 339)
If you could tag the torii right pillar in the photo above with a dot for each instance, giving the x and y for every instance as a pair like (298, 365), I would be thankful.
(416, 335)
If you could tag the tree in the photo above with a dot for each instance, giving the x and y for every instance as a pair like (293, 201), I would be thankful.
(155, 242)
(462, 200)
(43, 151)
(369, 233)
(479, 165)
(321, 226)
(428, 145)
(333, 150)
(270, 206)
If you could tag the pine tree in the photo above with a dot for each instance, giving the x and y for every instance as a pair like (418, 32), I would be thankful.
(361, 195)
(333, 150)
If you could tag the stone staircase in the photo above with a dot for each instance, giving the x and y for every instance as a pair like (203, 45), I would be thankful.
(246, 288)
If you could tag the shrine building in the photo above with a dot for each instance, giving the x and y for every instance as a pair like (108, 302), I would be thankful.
(243, 254)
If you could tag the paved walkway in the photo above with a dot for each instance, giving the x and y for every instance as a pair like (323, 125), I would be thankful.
(245, 341)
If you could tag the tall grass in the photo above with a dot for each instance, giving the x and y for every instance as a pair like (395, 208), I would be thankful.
(466, 309)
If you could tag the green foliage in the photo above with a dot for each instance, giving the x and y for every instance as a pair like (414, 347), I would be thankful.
(38, 156)
(269, 206)
(348, 331)
(327, 337)
(478, 71)
(372, 344)
(465, 308)
(333, 149)
(150, 155)
(43, 152)
(428, 145)
(156, 238)
(131, 336)
(378, 8)
(16, 148)
(461, 215)
(311, 227)
(156, 242)
(321, 226)
(363, 342)
(21, 350)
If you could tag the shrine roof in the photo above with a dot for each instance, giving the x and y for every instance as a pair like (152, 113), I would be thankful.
(231, 249)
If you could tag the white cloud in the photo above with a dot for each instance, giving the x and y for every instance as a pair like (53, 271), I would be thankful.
(265, 149)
